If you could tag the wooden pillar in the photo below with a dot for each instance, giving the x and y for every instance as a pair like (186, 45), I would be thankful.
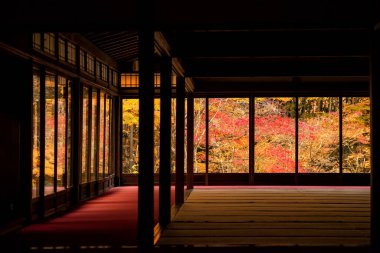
(190, 141)
(165, 142)
(76, 137)
(375, 138)
(146, 140)
(117, 137)
(180, 141)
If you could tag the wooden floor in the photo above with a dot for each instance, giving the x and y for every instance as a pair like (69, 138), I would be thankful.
(272, 217)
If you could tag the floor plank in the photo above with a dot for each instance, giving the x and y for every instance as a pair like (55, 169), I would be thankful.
(272, 217)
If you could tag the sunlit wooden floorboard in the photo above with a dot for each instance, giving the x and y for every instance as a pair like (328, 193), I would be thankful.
(272, 217)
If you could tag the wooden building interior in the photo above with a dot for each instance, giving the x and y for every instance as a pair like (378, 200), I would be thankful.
(112, 112)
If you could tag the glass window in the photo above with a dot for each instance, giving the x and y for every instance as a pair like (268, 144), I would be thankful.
(62, 50)
(108, 137)
(36, 134)
(157, 108)
(69, 167)
(173, 135)
(49, 43)
(356, 135)
(94, 138)
(115, 79)
(98, 69)
(82, 60)
(274, 135)
(50, 162)
(130, 136)
(90, 64)
(85, 139)
(228, 135)
(199, 135)
(101, 134)
(61, 138)
(318, 135)
(104, 76)
(129, 80)
(37, 41)
(71, 53)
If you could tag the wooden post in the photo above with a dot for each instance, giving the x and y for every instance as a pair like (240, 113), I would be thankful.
(165, 142)
(146, 140)
(117, 112)
(190, 141)
(180, 141)
(375, 138)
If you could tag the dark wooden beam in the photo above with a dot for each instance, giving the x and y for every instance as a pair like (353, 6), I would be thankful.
(165, 142)
(146, 140)
(203, 88)
(275, 42)
(349, 66)
(375, 140)
(180, 141)
(190, 141)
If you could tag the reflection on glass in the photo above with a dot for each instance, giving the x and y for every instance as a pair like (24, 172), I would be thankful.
(36, 135)
(85, 139)
(318, 135)
(156, 135)
(61, 134)
(173, 135)
(130, 136)
(274, 135)
(94, 140)
(356, 135)
(49, 132)
(228, 135)
(199, 135)
(69, 167)
(107, 137)
(101, 135)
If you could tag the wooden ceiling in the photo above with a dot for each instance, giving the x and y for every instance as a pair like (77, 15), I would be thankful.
(227, 46)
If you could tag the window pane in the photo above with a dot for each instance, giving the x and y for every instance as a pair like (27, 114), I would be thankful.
(228, 135)
(49, 132)
(107, 137)
(37, 40)
(82, 60)
(199, 135)
(69, 167)
(173, 135)
(101, 135)
(94, 139)
(130, 135)
(318, 135)
(156, 135)
(49, 43)
(274, 135)
(356, 135)
(85, 134)
(62, 50)
(90, 64)
(61, 144)
(36, 135)
(71, 53)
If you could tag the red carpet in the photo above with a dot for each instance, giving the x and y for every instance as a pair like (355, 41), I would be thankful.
(110, 219)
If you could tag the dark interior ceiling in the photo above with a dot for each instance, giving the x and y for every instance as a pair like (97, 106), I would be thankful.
(227, 46)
